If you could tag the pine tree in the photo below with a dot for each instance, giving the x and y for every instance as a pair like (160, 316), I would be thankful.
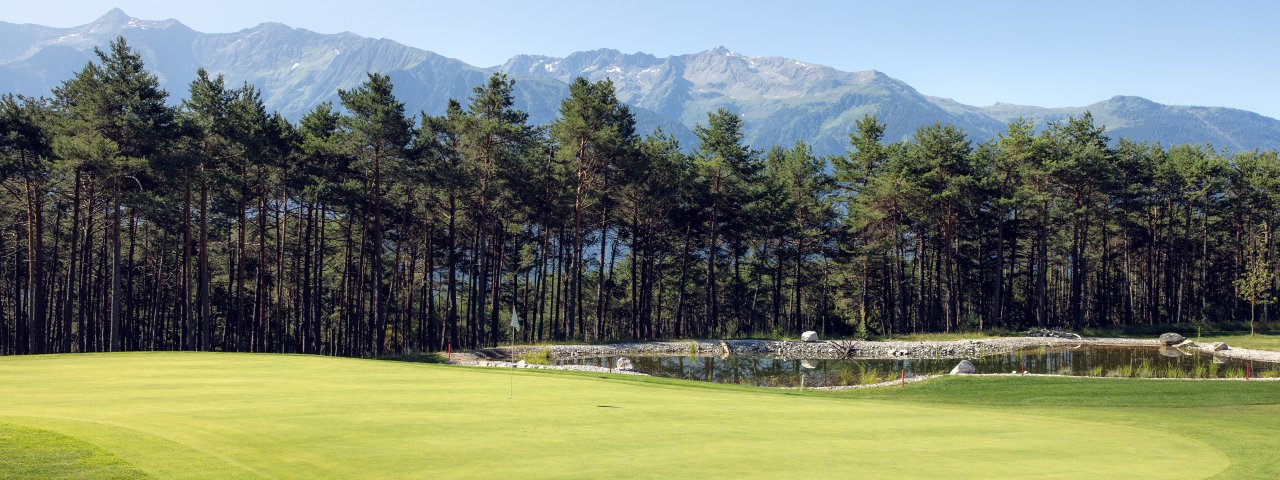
(728, 169)
(117, 105)
(380, 133)
(1254, 284)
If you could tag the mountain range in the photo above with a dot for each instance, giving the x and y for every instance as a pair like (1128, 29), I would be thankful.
(780, 99)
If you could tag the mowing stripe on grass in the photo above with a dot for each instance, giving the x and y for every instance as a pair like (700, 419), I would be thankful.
(34, 453)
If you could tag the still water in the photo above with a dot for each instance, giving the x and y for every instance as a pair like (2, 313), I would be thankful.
(1097, 361)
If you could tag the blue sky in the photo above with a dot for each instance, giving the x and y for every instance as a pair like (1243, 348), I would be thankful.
(1045, 53)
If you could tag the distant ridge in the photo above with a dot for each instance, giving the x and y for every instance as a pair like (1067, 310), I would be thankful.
(781, 99)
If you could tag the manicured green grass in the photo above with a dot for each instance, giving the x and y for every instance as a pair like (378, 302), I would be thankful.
(1190, 330)
(939, 336)
(193, 415)
(1255, 342)
(33, 453)
(1240, 419)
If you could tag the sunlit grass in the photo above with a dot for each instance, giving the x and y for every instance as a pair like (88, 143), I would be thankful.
(538, 356)
(936, 337)
(1253, 342)
(184, 415)
(869, 376)
(33, 453)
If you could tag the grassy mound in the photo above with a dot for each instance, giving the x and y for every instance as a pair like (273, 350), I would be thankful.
(205, 415)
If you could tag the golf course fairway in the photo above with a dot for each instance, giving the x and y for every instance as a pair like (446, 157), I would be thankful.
(211, 415)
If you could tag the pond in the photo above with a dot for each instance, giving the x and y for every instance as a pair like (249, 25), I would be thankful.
(1096, 361)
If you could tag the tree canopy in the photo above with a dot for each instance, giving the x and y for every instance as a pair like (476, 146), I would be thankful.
(363, 229)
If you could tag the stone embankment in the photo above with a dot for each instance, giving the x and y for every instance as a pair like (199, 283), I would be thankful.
(823, 349)
(829, 349)
(473, 361)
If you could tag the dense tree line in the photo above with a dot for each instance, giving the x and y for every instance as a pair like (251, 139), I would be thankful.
(363, 229)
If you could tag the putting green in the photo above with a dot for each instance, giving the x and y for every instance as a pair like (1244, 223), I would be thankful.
(206, 415)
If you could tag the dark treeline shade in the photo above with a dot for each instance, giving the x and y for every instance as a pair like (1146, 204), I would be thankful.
(365, 230)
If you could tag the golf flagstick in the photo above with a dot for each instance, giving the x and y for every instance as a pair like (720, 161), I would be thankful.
(515, 325)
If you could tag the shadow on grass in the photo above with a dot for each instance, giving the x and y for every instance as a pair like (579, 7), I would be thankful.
(415, 358)
(33, 453)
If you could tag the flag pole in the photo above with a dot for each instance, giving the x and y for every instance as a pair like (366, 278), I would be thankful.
(515, 325)
(511, 376)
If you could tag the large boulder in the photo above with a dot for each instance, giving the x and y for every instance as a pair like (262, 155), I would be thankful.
(1170, 339)
(965, 367)
(623, 363)
(809, 336)
(1054, 333)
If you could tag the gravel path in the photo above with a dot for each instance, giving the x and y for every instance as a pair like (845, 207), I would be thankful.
(578, 368)
(470, 359)
(890, 383)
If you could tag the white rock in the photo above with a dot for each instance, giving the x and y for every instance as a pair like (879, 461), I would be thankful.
(965, 367)
(807, 365)
(623, 363)
(809, 336)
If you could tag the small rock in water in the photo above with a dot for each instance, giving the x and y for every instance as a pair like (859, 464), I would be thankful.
(809, 336)
(623, 364)
(965, 367)
(807, 364)
(1171, 338)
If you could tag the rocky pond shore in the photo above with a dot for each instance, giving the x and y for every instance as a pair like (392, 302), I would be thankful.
(812, 348)
(787, 349)
(822, 349)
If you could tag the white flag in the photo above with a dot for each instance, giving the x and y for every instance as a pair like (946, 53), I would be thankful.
(515, 319)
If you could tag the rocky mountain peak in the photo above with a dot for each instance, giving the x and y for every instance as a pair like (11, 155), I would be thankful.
(113, 16)
(116, 20)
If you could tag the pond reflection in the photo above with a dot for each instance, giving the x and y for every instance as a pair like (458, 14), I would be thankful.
(1096, 361)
